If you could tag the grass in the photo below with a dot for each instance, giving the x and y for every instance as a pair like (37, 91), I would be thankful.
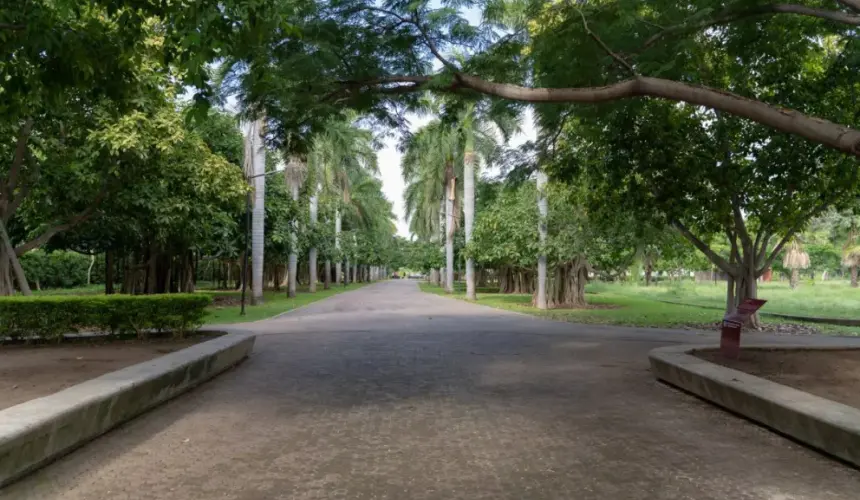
(274, 303)
(830, 299)
(629, 305)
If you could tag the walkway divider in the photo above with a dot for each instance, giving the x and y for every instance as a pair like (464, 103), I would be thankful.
(34, 433)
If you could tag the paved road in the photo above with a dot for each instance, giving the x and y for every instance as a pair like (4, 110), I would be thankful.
(388, 393)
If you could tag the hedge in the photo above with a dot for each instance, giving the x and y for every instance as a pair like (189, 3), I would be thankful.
(52, 316)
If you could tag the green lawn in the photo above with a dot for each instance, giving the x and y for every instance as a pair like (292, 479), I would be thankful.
(274, 303)
(636, 306)
(829, 299)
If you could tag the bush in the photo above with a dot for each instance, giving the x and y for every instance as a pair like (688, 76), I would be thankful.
(59, 269)
(51, 317)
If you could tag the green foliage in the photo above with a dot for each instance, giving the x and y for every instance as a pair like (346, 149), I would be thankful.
(60, 269)
(49, 317)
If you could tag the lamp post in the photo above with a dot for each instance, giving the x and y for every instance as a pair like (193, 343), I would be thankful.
(248, 236)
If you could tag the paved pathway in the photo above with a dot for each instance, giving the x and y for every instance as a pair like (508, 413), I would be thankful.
(388, 393)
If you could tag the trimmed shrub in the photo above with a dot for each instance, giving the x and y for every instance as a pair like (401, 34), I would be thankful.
(49, 317)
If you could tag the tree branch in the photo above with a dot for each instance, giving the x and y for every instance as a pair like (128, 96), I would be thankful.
(414, 21)
(730, 15)
(851, 4)
(824, 132)
(8, 188)
(73, 221)
(605, 47)
(12, 27)
(18, 198)
(740, 226)
(704, 248)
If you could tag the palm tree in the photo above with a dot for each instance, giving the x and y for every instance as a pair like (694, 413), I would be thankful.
(477, 134)
(337, 155)
(430, 168)
(294, 175)
(255, 168)
(543, 210)
(795, 259)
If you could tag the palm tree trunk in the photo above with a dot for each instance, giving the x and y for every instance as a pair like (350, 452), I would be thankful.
(854, 283)
(312, 253)
(294, 240)
(327, 275)
(541, 301)
(449, 237)
(469, 212)
(337, 225)
(258, 158)
(795, 278)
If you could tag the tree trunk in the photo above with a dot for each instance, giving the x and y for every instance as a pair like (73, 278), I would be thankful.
(109, 272)
(449, 237)
(12, 258)
(346, 272)
(312, 253)
(327, 275)
(648, 270)
(337, 226)
(854, 282)
(258, 158)
(795, 278)
(294, 241)
(541, 301)
(469, 211)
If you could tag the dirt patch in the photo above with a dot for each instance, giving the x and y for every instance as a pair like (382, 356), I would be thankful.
(225, 300)
(32, 371)
(830, 374)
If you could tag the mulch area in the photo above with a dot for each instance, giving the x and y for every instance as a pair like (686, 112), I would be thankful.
(29, 371)
(830, 374)
(776, 328)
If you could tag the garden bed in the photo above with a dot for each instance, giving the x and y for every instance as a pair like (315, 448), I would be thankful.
(29, 371)
(832, 374)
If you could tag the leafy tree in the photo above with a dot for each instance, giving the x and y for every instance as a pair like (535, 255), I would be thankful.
(378, 59)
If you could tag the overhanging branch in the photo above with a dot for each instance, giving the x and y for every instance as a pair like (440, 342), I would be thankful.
(704, 248)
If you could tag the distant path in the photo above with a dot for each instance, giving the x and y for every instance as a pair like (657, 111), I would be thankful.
(389, 393)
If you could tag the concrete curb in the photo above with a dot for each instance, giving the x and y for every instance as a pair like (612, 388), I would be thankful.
(34, 433)
(821, 423)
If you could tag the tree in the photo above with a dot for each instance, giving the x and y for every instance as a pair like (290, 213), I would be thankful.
(431, 163)
(294, 175)
(710, 174)
(625, 52)
(255, 172)
(341, 154)
(795, 259)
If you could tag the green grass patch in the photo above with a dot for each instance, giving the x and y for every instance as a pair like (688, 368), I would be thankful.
(829, 299)
(274, 303)
(620, 305)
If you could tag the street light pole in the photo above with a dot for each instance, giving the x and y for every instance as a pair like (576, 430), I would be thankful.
(247, 237)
